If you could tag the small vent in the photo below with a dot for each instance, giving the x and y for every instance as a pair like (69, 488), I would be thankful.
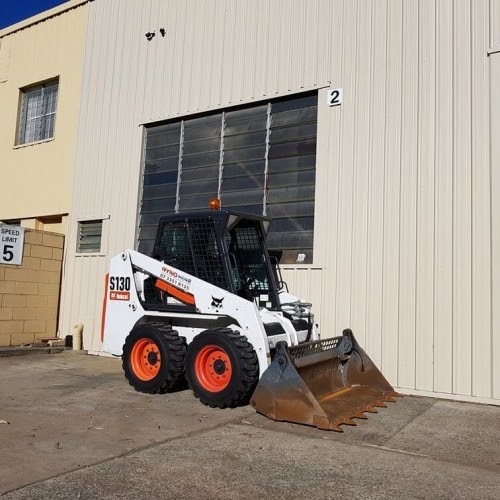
(89, 236)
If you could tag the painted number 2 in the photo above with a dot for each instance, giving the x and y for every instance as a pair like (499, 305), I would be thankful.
(334, 97)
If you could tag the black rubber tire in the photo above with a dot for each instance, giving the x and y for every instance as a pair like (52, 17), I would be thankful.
(244, 364)
(172, 347)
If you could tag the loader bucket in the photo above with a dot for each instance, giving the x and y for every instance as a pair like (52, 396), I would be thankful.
(325, 383)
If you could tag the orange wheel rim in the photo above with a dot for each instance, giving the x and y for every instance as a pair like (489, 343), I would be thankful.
(213, 368)
(145, 359)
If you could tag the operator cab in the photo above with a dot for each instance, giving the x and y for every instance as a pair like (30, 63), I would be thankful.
(224, 248)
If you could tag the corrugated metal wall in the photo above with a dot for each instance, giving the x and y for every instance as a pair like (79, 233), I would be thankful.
(404, 200)
(494, 106)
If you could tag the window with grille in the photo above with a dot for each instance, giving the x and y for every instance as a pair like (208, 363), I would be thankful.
(257, 159)
(192, 247)
(89, 236)
(37, 114)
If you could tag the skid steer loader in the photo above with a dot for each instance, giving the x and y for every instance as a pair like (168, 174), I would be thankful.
(209, 307)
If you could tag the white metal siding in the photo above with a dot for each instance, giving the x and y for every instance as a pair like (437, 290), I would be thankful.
(406, 248)
(491, 179)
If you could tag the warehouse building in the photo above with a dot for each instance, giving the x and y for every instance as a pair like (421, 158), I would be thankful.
(368, 130)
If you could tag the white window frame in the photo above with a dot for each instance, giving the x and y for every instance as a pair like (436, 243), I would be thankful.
(39, 120)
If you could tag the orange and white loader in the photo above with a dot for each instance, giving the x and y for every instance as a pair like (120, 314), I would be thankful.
(209, 309)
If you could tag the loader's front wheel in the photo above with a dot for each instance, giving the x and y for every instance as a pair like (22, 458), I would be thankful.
(153, 358)
(222, 368)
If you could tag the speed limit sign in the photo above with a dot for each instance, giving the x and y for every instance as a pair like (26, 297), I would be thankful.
(11, 244)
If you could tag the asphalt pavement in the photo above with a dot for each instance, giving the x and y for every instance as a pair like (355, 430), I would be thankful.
(77, 430)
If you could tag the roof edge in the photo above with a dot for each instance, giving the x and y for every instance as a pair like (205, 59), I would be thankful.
(43, 16)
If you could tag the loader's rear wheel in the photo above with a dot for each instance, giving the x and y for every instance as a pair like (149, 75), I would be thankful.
(222, 368)
(153, 358)
(213, 368)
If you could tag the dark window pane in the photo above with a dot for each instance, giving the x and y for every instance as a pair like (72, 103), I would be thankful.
(299, 178)
(292, 175)
(147, 232)
(243, 175)
(200, 133)
(299, 239)
(241, 198)
(303, 115)
(146, 246)
(243, 126)
(163, 129)
(245, 140)
(160, 178)
(170, 139)
(202, 121)
(192, 188)
(246, 182)
(292, 164)
(165, 205)
(200, 174)
(294, 103)
(150, 219)
(247, 209)
(162, 153)
(244, 168)
(201, 160)
(169, 165)
(205, 146)
(299, 208)
(289, 194)
(161, 191)
(295, 224)
(295, 132)
(245, 154)
(246, 113)
(294, 148)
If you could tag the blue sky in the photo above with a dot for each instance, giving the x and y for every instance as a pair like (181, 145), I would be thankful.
(13, 11)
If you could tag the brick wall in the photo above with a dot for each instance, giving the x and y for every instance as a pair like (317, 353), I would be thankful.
(29, 294)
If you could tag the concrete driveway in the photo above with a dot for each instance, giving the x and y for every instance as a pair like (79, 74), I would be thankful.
(77, 430)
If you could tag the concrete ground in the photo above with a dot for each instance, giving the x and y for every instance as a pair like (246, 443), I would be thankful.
(77, 430)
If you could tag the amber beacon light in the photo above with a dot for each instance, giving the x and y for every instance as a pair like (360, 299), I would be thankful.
(214, 204)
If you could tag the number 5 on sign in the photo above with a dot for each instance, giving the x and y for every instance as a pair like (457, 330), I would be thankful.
(11, 244)
(335, 97)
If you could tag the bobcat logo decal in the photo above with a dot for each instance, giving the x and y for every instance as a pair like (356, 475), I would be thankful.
(217, 303)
